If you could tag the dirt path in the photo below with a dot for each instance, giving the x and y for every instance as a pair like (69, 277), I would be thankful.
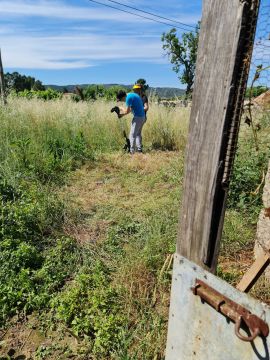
(120, 183)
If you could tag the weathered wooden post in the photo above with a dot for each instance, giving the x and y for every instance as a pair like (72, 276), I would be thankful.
(225, 47)
(209, 319)
(2, 82)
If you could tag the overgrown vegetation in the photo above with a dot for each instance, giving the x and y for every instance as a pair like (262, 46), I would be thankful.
(36, 255)
(245, 201)
(119, 300)
(41, 144)
(30, 88)
(247, 180)
(255, 91)
(88, 233)
(48, 94)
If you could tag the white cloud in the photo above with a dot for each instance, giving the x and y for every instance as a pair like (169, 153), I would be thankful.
(74, 43)
(56, 9)
(75, 51)
(59, 9)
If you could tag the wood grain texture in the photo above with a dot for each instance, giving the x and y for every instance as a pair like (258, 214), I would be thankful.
(219, 62)
(253, 274)
(2, 83)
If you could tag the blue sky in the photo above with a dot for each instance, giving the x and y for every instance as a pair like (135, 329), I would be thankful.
(73, 42)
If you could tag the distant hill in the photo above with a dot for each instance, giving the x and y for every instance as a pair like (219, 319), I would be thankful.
(162, 92)
(167, 92)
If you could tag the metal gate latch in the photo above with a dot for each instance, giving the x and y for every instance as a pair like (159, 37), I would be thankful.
(235, 312)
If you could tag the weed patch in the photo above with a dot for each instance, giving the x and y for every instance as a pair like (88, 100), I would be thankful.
(88, 233)
(246, 185)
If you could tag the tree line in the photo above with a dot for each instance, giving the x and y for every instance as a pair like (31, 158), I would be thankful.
(28, 87)
(17, 82)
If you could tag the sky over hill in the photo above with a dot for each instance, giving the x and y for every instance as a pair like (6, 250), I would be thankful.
(80, 41)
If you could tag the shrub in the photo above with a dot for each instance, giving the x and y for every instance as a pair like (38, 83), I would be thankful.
(29, 278)
(92, 308)
(33, 266)
(255, 91)
(245, 192)
(48, 94)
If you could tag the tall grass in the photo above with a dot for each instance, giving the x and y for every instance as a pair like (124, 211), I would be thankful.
(117, 294)
(40, 144)
(45, 122)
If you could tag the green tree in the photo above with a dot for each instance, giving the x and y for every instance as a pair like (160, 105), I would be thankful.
(111, 92)
(90, 93)
(18, 82)
(100, 91)
(38, 86)
(143, 83)
(182, 54)
(255, 91)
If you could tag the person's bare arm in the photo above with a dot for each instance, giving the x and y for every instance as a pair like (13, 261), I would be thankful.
(146, 106)
(124, 112)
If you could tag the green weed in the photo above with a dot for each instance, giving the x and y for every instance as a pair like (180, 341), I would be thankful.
(246, 184)
(110, 289)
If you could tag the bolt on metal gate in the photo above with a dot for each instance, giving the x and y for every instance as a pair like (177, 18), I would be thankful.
(209, 319)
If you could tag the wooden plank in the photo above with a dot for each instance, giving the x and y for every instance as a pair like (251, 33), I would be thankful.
(227, 32)
(254, 272)
(2, 82)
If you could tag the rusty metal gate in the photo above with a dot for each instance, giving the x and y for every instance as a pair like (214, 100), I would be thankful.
(209, 319)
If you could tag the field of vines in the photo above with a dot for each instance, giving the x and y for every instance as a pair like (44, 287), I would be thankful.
(88, 231)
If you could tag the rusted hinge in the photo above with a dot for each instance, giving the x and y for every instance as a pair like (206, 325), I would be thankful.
(242, 317)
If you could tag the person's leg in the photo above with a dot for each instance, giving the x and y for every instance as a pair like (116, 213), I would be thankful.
(132, 136)
(141, 122)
